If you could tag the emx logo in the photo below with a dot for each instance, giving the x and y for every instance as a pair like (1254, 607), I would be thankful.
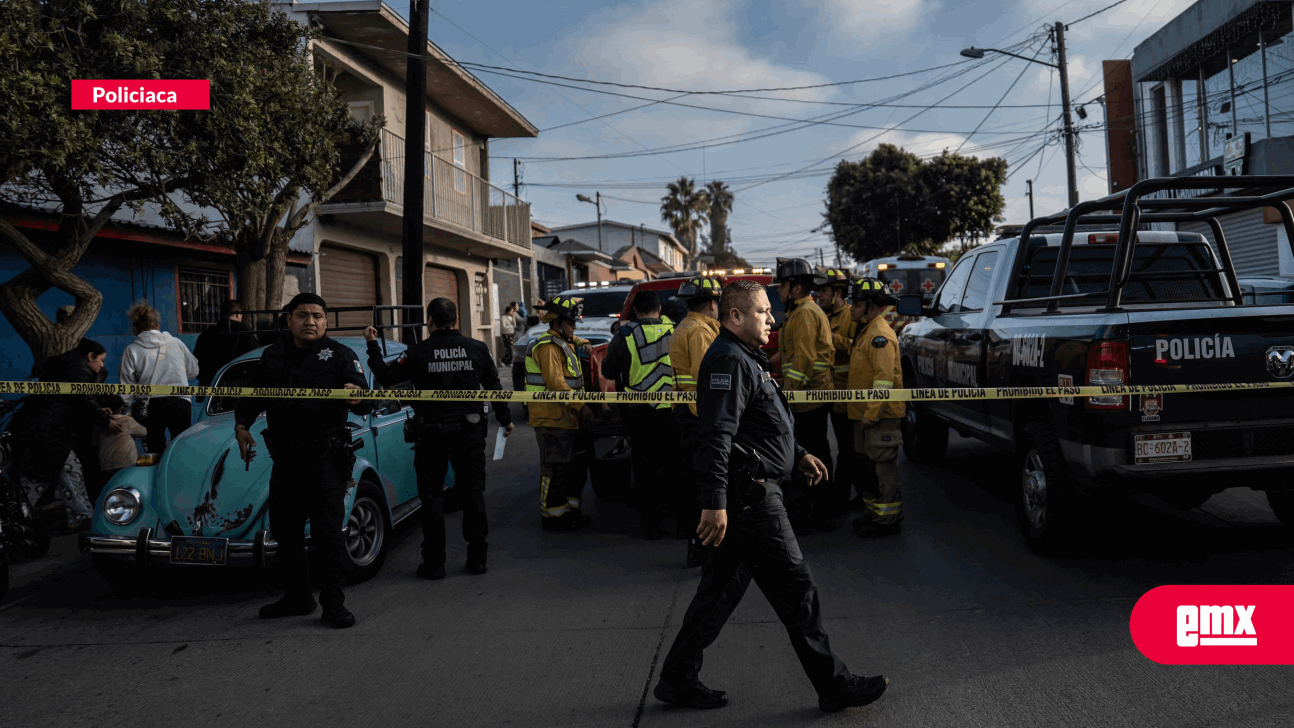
(1215, 625)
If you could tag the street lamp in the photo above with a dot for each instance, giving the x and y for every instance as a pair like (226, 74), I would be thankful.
(585, 198)
(1059, 37)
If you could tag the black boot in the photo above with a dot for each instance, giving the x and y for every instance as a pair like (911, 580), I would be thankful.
(695, 554)
(860, 691)
(691, 696)
(291, 605)
(338, 616)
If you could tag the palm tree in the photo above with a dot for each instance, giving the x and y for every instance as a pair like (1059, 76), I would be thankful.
(720, 198)
(684, 208)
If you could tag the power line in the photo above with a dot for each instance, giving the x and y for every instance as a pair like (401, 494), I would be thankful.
(1098, 12)
(1000, 100)
(509, 60)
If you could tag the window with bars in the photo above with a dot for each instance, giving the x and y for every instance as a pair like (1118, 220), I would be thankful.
(201, 294)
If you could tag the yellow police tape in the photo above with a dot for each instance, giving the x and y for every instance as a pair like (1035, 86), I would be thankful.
(827, 396)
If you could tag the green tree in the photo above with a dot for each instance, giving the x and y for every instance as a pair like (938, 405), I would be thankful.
(893, 202)
(684, 208)
(274, 149)
(720, 198)
(268, 142)
(87, 165)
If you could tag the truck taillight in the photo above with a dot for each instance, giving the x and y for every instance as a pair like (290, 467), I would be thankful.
(1107, 365)
(1103, 238)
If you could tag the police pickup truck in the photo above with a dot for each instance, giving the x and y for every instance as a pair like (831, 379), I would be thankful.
(1110, 308)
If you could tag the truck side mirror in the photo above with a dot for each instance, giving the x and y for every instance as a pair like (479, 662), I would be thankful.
(909, 305)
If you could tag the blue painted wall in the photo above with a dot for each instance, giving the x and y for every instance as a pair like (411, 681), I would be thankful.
(124, 273)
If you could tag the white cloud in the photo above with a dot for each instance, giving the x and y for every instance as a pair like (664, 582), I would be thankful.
(689, 44)
(872, 22)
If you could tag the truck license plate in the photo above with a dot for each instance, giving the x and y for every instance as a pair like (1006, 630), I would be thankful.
(1163, 447)
(199, 550)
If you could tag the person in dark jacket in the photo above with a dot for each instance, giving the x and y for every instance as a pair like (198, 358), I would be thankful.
(745, 452)
(447, 432)
(223, 342)
(313, 456)
(45, 429)
(637, 360)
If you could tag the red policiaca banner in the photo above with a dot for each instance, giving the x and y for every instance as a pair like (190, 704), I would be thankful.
(148, 94)
(1216, 625)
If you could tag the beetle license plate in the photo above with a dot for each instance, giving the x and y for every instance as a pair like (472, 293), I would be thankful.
(1163, 447)
(199, 550)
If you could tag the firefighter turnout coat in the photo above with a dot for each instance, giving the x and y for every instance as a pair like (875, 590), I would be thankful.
(691, 340)
(553, 366)
(806, 349)
(874, 364)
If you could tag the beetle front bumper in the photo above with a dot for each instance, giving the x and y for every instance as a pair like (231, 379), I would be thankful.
(144, 550)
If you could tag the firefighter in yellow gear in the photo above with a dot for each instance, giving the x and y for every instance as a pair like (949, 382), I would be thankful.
(692, 338)
(874, 364)
(833, 298)
(807, 355)
(565, 446)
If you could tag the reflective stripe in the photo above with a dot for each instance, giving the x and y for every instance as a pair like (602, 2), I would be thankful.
(882, 384)
(574, 377)
(649, 363)
(821, 366)
(885, 509)
(572, 502)
(841, 369)
(793, 374)
(545, 511)
(684, 379)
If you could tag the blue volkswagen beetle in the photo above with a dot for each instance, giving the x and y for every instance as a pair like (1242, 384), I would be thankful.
(200, 505)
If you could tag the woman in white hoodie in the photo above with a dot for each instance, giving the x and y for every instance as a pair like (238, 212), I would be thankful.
(156, 357)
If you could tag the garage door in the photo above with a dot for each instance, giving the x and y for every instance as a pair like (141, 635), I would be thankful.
(348, 278)
(440, 282)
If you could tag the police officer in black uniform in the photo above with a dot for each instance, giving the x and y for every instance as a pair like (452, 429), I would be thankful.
(745, 451)
(313, 455)
(446, 432)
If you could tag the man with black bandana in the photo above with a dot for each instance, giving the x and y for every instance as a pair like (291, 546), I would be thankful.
(745, 452)
(312, 451)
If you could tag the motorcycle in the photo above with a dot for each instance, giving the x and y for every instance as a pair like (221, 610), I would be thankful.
(20, 532)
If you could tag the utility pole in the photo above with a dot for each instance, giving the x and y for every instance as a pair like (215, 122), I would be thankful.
(516, 178)
(599, 198)
(821, 261)
(414, 159)
(1069, 122)
(1030, 193)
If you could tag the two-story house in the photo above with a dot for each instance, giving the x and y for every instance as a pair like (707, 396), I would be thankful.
(468, 222)
(664, 253)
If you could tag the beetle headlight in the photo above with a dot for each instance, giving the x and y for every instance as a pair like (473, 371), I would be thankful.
(122, 506)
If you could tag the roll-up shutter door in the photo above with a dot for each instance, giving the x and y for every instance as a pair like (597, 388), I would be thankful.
(1252, 243)
(440, 282)
(348, 278)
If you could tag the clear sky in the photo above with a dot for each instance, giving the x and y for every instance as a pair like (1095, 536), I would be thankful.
(779, 168)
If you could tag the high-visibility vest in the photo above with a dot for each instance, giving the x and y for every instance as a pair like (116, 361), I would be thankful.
(535, 375)
(649, 365)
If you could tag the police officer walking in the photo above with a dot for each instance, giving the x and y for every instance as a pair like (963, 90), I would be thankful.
(874, 364)
(638, 360)
(312, 451)
(833, 298)
(446, 433)
(745, 452)
(807, 354)
(692, 338)
(565, 446)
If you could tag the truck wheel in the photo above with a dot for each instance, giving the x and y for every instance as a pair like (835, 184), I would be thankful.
(1046, 502)
(1282, 503)
(368, 538)
(925, 437)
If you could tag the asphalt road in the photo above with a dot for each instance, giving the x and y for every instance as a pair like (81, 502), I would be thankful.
(567, 629)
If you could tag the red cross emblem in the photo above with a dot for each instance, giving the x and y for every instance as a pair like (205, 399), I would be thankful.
(928, 286)
(896, 286)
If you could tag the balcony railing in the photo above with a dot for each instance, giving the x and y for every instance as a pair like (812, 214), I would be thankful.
(450, 193)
